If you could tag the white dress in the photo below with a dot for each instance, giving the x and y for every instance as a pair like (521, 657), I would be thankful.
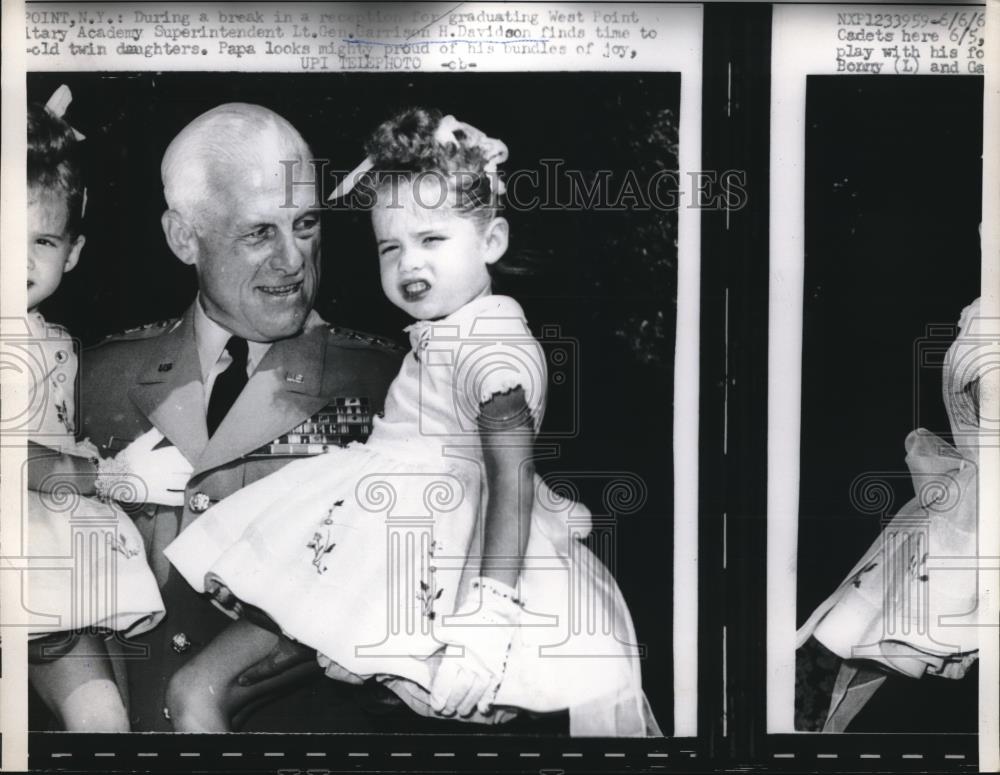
(87, 564)
(360, 552)
(911, 603)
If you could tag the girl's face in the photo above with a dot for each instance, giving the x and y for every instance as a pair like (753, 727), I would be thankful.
(52, 251)
(433, 259)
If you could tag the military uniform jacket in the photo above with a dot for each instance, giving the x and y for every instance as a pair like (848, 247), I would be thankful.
(320, 387)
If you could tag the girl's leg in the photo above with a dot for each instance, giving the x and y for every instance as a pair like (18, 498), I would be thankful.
(79, 687)
(203, 696)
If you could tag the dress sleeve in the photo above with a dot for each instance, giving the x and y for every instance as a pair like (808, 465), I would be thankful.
(498, 354)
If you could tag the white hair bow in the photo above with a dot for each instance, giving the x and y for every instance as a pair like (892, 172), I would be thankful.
(58, 103)
(351, 179)
(450, 131)
(495, 151)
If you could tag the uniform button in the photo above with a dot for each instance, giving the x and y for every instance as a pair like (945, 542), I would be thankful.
(180, 643)
(199, 502)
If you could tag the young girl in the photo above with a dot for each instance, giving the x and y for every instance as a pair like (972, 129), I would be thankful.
(431, 558)
(88, 568)
(895, 610)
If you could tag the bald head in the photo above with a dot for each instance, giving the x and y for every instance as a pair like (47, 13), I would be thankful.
(232, 139)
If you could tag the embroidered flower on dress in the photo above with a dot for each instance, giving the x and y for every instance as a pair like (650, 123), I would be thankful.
(62, 414)
(921, 570)
(427, 599)
(322, 542)
(321, 545)
(426, 595)
(856, 581)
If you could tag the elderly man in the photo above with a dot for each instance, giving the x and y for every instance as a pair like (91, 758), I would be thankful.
(246, 380)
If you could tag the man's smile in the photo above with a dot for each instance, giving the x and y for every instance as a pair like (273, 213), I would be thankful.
(280, 290)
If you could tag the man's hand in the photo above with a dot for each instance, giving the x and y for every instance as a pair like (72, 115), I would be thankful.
(286, 654)
(163, 473)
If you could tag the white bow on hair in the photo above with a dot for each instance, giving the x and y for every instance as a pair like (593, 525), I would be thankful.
(493, 149)
(57, 105)
(447, 133)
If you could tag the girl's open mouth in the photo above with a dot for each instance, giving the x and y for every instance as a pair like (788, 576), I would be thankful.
(416, 290)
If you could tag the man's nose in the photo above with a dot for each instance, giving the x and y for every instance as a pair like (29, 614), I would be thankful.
(289, 254)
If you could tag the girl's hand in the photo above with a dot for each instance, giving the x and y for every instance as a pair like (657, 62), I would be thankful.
(479, 636)
(162, 474)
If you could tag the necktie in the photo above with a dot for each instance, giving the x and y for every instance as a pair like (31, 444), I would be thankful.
(228, 385)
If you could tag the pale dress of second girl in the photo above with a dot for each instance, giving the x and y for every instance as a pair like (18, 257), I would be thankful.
(911, 604)
(361, 551)
(87, 561)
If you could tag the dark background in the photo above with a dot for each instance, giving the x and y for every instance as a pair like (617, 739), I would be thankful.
(892, 205)
(607, 279)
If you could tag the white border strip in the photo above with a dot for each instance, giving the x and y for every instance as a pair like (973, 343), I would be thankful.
(789, 63)
(688, 60)
(13, 301)
(989, 461)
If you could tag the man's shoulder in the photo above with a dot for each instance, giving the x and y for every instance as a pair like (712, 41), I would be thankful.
(138, 334)
(352, 339)
(122, 353)
(364, 358)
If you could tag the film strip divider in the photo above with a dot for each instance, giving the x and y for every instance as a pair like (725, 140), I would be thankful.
(736, 136)
(846, 752)
(321, 753)
(713, 391)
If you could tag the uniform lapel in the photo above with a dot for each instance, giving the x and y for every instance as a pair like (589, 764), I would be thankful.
(286, 389)
(169, 390)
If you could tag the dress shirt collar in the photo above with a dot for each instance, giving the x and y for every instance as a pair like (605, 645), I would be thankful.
(210, 339)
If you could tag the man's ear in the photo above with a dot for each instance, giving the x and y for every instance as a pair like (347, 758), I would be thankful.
(74, 253)
(496, 238)
(181, 236)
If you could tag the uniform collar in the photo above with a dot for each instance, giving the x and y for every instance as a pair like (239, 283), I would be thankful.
(286, 388)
